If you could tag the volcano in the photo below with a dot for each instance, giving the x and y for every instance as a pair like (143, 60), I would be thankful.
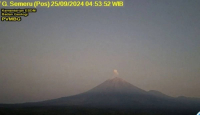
(118, 93)
(114, 94)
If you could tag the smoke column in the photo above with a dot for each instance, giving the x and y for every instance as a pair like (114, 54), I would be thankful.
(115, 72)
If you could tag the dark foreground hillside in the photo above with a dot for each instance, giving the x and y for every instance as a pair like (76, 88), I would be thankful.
(69, 110)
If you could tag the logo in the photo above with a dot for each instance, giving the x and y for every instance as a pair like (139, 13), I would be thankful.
(198, 113)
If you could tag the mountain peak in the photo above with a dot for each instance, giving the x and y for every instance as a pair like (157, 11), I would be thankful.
(117, 85)
(116, 79)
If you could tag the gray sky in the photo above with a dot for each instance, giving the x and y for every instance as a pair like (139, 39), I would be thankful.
(57, 52)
